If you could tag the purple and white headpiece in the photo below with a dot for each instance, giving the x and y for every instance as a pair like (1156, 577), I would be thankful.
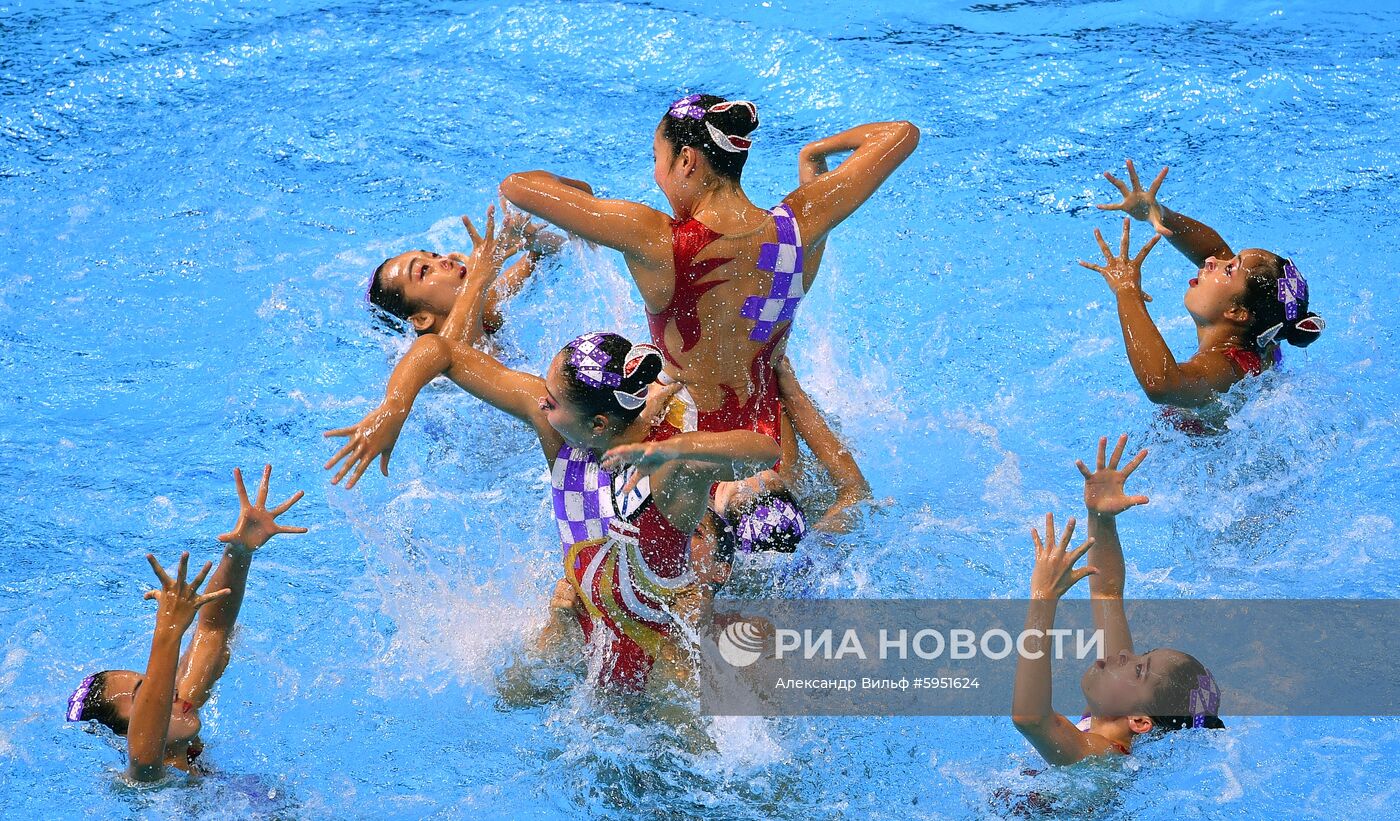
(759, 526)
(75, 701)
(1204, 700)
(687, 108)
(1292, 289)
(591, 363)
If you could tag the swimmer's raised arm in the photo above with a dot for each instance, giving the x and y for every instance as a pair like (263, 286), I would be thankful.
(1188, 384)
(208, 653)
(539, 244)
(1105, 499)
(464, 320)
(641, 233)
(1195, 240)
(877, 149)
(1053, 735)
(519, 394)
(808, 422)
(149, 727)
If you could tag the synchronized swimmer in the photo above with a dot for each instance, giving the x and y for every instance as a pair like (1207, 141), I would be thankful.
(158, 711)
(1243, 305)
(671, 459)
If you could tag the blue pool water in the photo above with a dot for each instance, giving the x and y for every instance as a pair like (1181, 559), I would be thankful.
(195, 192)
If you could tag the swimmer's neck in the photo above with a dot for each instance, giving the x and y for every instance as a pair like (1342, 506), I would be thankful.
(723, 206)
(1113, 729)
(1218, 336)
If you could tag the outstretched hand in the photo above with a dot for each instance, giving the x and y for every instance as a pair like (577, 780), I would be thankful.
(375, 435)
(178, 601)
(256, 524)
(646, 457)
(1138, 203)
(518, 232)
(517, 228)
(1054, 572)
(1103, 489)
(488, 244)
(1122, 273)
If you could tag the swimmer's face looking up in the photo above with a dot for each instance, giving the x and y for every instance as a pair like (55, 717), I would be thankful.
(1217, 291)
(119, 690)
(427, 284)
(1126, 684)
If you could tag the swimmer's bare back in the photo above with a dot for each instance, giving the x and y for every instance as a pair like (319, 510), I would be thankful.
(721, 280)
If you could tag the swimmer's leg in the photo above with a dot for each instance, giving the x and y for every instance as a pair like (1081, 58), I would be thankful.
(561, 635)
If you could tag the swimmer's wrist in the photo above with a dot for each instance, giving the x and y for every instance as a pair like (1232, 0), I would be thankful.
(1130, 291)
(396, 403)
(241, 551)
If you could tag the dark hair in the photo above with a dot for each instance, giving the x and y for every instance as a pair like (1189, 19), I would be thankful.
(740, 530)
(631, 375)
(1267, 309)
(738, 120)
(390, 301)
(1172, 698)
(99, 708)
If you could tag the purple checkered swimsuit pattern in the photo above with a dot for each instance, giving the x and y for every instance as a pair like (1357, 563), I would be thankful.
(583, 504)
(784, 259)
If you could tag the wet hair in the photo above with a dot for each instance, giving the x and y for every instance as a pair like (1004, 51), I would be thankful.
(771, 520)
(599, 366)
(97, 707)
(1267, 310)
(1172, 697)
(393, 308)
(738, 120)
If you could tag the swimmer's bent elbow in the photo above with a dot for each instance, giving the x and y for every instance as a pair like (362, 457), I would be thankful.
(513, 186)
(1027, 722)
(909, 131)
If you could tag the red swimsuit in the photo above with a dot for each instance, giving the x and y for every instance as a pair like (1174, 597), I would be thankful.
(762, 411)
(627, 579)
(1248, 363)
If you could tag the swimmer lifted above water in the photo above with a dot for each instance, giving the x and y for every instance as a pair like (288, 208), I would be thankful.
(1128, 694)
(628, 492)
(762, 513)
(722, 278)
(1243, 304)
(158, 711)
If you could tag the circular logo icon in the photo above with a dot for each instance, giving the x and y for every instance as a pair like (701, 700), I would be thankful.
(741, 643)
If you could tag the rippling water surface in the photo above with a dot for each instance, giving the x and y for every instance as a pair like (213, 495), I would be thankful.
(195, 192)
